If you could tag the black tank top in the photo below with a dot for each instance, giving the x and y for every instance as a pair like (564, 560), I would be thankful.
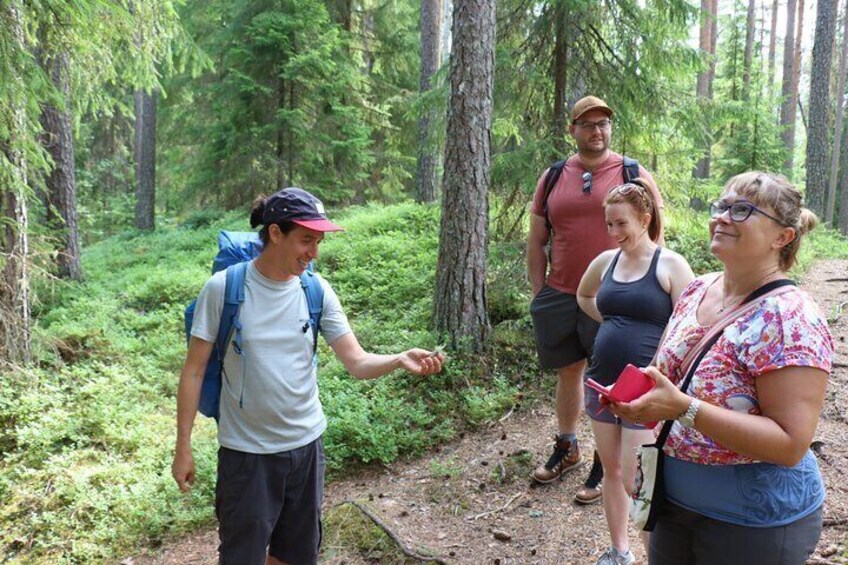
(635, 314)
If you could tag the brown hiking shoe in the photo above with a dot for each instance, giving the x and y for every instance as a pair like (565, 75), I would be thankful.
(566, 456)
(591, 492)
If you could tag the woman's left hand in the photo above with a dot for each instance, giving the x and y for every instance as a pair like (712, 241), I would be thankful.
(663, 402)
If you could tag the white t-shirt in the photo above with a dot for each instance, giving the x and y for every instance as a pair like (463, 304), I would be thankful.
(269, 395)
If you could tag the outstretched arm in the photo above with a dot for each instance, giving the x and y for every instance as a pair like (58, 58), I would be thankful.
(364, 365)
(188, 396)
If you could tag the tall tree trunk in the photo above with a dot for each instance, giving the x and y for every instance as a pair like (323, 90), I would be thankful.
(460, 303)
(749, 50)
(704, 82)
(819, 123)
(787, 107)
(837, 130)
(58, 139)
(145, 158)
(427, 152)
(14, 288)
(772, 47)
(561, 42)
(843, 189)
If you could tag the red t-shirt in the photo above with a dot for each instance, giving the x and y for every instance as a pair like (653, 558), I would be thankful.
(579, 225)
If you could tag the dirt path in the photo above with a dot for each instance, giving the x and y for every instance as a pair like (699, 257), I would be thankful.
(457, 501)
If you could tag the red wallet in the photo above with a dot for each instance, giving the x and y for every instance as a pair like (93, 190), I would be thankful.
(630, 385)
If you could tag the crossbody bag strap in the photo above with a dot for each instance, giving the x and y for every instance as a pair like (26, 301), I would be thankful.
(697, 353)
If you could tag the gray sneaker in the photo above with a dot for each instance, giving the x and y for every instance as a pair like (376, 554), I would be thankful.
(613, 557)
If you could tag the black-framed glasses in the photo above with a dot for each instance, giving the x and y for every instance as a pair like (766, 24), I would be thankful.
(600, 124)
(740, 211)
(587, 182)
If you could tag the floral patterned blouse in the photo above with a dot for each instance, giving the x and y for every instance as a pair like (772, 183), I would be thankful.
(788, 330)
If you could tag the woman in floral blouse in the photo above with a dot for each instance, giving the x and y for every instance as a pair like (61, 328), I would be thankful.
(741, 483)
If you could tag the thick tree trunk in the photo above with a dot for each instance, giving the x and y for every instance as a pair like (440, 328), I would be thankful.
(58, 139)
(787, 107)
(837, 130)
(145, 159)
(749, 50)
(819, 124)
(14, 288)
(460, 302)
(704, 82)
(430, 28)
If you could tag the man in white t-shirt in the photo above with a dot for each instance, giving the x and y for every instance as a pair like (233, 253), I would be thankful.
(271, 460)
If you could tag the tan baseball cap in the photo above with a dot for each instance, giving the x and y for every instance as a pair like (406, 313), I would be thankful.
(587, 104)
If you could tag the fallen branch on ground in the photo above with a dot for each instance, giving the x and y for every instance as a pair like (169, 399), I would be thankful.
(830, 522)
(496, 510)
(408, 551)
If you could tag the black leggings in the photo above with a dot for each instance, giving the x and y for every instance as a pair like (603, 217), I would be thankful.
(682, 537)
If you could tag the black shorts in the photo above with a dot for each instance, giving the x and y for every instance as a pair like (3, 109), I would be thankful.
(270, 504)
(565, 334)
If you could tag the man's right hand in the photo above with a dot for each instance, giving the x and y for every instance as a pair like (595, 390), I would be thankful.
(183, 470)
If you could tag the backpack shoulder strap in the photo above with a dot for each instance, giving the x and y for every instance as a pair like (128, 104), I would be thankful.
(631, 169)
(554, 172)
(315, 302)
(233, 298)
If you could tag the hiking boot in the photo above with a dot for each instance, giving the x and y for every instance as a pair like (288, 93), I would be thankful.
(566, 456)
(591, 492)
(613, 557)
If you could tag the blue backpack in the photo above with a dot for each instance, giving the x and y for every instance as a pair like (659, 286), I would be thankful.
(235, 251)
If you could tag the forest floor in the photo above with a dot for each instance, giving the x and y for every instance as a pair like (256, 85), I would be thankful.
(470, 501)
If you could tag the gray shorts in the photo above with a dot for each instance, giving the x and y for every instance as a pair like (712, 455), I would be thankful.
(683, 536)
(565, 334)
(270, 504)
(601, 412)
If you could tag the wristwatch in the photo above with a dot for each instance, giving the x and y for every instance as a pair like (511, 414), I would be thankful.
(687, 419)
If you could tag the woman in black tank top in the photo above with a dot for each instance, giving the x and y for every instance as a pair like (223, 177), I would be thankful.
(631, 291)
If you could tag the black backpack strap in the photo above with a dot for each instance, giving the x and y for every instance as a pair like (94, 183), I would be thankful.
(631, 169)
(554, 172)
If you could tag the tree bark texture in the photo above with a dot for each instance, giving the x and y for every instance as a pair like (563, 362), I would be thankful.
(430, 28)
(460, 303)
(772, 47)
(15, 331)
(561, 43)
(819, 124)
(145, 158)
(750, 28)
(58, 139)
(838, 127)
(787, 107)
(704, 87)
(843, 190)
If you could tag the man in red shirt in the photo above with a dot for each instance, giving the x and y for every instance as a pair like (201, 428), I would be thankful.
(557, 257)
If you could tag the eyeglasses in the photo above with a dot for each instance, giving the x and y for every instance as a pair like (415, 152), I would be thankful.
(587, 182)
(740, 211)
(600, 124)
